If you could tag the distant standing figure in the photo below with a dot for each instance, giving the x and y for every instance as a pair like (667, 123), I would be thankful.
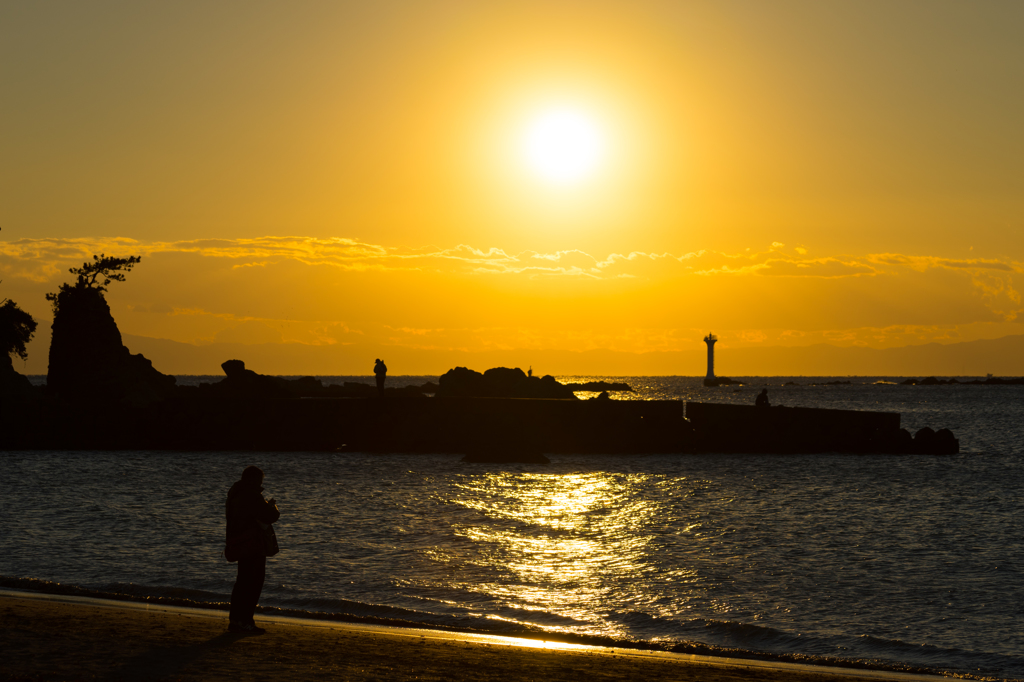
(762, 399)
(246, 509)
(529, 374)
(381, 371)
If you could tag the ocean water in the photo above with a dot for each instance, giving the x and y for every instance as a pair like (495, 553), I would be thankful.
(900, 560)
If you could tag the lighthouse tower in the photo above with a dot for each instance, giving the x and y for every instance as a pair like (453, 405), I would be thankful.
(710, 340)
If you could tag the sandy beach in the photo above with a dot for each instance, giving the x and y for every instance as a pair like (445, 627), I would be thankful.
(48, 638)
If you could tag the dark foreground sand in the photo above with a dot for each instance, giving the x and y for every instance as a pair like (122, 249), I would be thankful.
(48, 639)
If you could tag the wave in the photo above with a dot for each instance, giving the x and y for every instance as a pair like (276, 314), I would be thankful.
(170, 592)
(747, 640)
(720, 638)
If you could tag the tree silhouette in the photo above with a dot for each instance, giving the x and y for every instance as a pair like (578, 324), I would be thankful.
(95, 276)
(16, 329)
(107, 268)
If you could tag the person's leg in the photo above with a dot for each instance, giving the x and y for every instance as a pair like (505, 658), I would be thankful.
(248, 586)
(259, 576)
(238, 593)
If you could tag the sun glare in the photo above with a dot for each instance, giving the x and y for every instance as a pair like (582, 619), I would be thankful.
(563, 146)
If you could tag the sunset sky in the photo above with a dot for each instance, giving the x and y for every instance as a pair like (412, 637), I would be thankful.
(464, 177)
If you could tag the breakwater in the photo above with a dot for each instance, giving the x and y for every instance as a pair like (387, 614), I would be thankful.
(463, 424)
(718, 427)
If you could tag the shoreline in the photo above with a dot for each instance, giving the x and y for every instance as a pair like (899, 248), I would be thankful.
(76, 637)
(526, 636)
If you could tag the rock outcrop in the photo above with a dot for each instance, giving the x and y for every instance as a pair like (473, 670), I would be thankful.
(500, 382)
(88, 360)
(927, 441)
(242, 383)
(990, 381)
(721, 381)
(598, 386)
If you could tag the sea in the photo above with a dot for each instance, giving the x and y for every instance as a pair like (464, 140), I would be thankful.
(906, 562)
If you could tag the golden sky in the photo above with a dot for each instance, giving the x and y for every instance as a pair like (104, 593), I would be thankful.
(359, 175)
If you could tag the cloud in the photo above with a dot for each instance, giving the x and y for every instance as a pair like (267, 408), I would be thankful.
(994, 282)
(44, 260)
(923, 263)
(993, 279)
(818, 267)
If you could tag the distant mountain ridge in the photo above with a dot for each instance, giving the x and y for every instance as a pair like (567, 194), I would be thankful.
(1001, 357)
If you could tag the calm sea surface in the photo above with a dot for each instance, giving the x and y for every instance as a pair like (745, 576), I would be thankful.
(903, 559)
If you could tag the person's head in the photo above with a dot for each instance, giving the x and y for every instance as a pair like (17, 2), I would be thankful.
(377, 361)
(253, 474)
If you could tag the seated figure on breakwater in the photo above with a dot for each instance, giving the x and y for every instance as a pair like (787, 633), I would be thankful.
(762, 399)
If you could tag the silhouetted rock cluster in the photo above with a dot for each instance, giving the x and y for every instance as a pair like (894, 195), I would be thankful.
(990, 381)
(598, 386)
(721, 381)
(500, 382)
(240, 382)
(823, 383)
(930, 442)
(88, 361)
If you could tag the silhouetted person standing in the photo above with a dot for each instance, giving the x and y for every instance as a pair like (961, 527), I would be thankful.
(381, 372)
(246, 510)
(762, 399)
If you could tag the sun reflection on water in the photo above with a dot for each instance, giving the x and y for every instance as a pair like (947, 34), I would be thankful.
(563, 543)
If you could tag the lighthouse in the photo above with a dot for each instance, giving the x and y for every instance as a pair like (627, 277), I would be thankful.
(710, 340)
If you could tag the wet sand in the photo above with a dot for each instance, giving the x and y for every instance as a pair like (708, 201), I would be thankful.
(64, 638)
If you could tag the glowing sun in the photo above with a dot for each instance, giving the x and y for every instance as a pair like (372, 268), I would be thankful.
(563, 146)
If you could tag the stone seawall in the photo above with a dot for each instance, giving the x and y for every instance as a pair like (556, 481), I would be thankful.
(375, 425)
(459, 425)
(721, 427)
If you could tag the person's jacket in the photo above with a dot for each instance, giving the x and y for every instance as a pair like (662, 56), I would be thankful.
(246, 506)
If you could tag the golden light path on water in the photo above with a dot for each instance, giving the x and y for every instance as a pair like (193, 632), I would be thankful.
(569, 542)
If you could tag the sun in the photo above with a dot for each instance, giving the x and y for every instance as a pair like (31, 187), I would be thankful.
(563, 146)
